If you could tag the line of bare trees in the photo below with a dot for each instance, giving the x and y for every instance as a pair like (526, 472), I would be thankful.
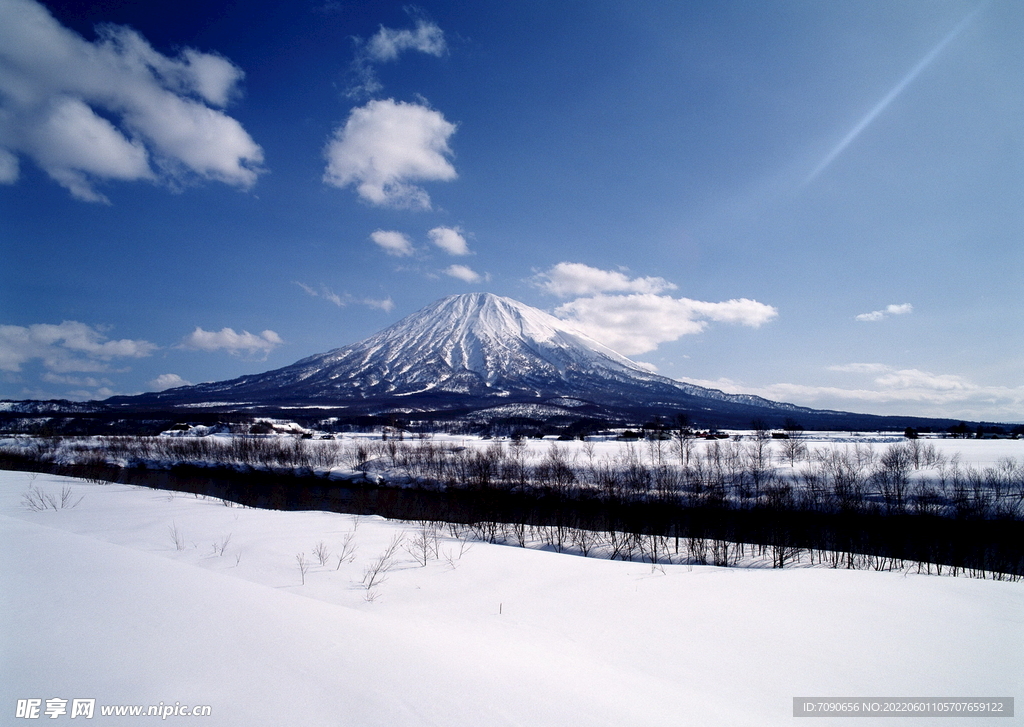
(697, 548)
(906, 477)
(901, 503)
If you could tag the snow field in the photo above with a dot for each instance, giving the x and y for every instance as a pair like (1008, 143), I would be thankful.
(972, 452)
(337, 456)
(100, 602)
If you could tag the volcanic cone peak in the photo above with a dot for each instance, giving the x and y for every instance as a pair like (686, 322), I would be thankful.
(464, 352)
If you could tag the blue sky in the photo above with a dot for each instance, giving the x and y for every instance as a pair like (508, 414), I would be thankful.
(821, 203)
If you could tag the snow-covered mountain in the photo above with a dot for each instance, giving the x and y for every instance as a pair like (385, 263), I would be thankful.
(467, 353)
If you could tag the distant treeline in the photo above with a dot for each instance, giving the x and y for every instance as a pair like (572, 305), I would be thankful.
(851, 506)
(65, 418)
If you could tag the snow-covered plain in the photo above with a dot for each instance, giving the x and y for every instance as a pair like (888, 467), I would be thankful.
(139, 596)
(969, 452)
(336, 452)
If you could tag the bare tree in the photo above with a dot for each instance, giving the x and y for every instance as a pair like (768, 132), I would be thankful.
(222, 545)
(34, 499)
(303, 566)
(519, 531)
(793, 449)
(37, 500)
(720, 552)
(423, 545)
(636, 477)
(759, 461)
(616, 544)
(583, 539)
(348, 549)
(892, 475)
(841, 471)
(556, 471)
(321, 552)
(451, 558)
(698, 547)
(376, 572)
(177, 536)
(916, 450)
(682, 445)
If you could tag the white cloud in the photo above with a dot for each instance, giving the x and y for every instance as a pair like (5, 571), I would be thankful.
(570, 279)
(324, 292)
(367, 83)
(214, 77)
(464, 273)
(888, 390)
(860, 368)
(328, 294)
(893, 379)
(227, 339)
(71, 143)
(8, 167)
(640, 320)
(449, 239)
(385, 304)
(38, 394)
(393, 243)
(388, 43)
(889, 310)
(167, 381)
(69, 346)
(89, 381)
(103, 392)
(114, 109)
(384, 146)
(912, 379)
(872, 316)
(638, 323)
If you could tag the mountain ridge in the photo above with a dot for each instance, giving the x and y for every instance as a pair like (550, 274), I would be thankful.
(476, 358)
(475, 346)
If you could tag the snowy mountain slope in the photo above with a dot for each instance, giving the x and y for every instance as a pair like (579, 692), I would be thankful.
(464, 351)
(469, 353)
(53, 406)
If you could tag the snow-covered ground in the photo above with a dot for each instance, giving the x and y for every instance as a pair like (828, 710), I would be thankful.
(142, 597)
(970, 452)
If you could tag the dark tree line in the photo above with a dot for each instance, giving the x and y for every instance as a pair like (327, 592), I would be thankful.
(660, 499)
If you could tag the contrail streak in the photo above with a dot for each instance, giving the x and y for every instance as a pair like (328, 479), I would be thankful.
(896, 91)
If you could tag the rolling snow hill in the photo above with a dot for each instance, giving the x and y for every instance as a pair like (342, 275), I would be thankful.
(100, 602)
